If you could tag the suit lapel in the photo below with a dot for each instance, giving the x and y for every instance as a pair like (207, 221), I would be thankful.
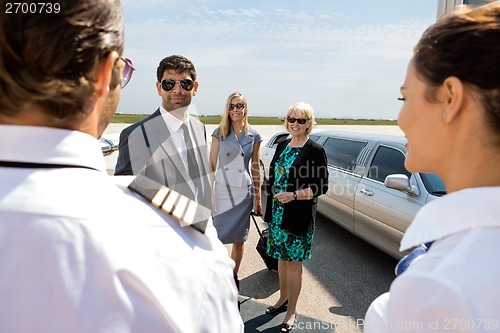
(202, 152)
(164, 148)
(169, 146)
(200, 144)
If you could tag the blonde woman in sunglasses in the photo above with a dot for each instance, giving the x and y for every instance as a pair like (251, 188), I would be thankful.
(234, 157)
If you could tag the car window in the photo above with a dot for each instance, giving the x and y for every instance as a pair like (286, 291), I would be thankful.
(433, 184)
(387, 161)
(280, 138)
(314, 137)
(343, 153)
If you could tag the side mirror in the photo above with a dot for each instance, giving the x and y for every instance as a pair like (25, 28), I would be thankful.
(107, 146)
(401, 182)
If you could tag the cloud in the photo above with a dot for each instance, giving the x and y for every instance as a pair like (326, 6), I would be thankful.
(275, 52)
(228, 13)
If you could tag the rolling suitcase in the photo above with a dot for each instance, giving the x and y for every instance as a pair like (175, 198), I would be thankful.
(271, 263)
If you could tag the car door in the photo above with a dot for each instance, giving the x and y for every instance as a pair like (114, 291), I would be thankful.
(338, 203)
(382, 215)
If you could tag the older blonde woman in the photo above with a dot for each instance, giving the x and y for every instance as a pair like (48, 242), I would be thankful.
(236, 187)
(298, 175)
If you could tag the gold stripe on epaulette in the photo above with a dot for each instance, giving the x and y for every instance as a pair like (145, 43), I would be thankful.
(160, 196)
(180, 206)
(186, 211)
(190, 213)
(169, 204)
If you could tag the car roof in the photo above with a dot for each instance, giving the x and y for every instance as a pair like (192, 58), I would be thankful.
(362, 136)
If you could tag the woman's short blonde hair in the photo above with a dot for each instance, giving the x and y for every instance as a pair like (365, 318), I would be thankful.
(304, 110)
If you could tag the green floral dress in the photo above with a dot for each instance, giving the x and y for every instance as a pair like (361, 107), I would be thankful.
(282, 244)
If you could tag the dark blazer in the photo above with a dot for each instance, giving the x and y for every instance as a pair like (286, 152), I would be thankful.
(147, 147)
(308, 170)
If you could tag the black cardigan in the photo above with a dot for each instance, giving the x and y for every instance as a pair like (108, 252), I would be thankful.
(308, 170)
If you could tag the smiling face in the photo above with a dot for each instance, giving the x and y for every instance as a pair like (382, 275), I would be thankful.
(295, 128)
(236, 114)
(177, 97)
(423, 125)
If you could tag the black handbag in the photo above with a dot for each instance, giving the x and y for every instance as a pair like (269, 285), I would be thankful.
(271, 263)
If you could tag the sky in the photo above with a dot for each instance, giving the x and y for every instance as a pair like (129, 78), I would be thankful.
(346, 58)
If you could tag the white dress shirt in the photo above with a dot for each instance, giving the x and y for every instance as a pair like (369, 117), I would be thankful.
(79, 253)
(174, 126)
(455, 287)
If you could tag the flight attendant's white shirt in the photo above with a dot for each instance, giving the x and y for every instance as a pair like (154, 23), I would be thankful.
(455, 286)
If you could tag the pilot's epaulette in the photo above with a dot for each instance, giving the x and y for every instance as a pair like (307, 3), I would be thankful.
(188, 212)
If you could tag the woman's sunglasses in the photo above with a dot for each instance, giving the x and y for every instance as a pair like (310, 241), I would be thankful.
(127, 71)
(169, 84)
(239, 106)
(301, 121)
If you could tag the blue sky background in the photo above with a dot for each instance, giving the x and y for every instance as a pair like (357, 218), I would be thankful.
(346, 58)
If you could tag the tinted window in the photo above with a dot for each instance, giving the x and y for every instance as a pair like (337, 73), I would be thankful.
(343, 153)
(433, 184)
(314, 137)
(387, 161)
(476, 2)
(279, 139)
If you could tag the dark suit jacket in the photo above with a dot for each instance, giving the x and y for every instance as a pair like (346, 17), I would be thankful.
(308, 170)
(147, 147)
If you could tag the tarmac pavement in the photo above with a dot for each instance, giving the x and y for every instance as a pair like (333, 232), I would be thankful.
(344, 275)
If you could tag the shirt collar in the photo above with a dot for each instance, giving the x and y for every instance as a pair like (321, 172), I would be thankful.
(452, 213)
(172, 122)
(37, 144)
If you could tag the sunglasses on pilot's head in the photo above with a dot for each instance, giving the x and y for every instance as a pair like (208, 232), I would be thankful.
(239, 106)
(127, 71)
(301, 121)
(169, 84)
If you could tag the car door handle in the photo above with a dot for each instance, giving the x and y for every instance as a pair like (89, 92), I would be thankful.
(367, 192)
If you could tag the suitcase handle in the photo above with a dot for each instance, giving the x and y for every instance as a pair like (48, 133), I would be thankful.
(253, 214)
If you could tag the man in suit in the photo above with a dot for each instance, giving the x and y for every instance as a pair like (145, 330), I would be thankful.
(157, 145)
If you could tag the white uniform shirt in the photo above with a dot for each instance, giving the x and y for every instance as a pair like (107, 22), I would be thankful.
(456, 285)
(79, 253)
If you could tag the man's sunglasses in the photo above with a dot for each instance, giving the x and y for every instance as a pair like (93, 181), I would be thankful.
(127, 71)
(169, 84)
(301, 121)
(239, 106)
